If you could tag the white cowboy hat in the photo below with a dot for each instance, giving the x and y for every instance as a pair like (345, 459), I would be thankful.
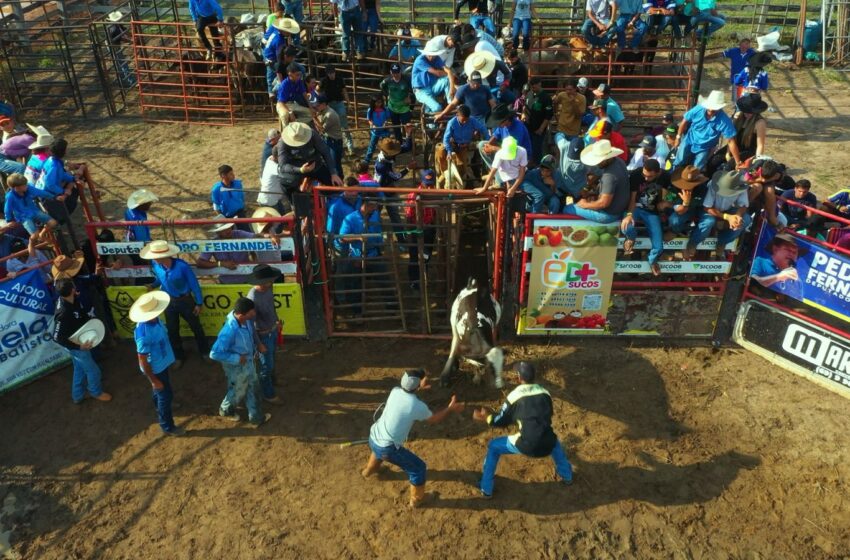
(416, 33)
(288, 25)
(482, 62)
(220, 227)
(247, 18)
(92, 332)
(432, 50)
(139, 197)
(43, 138)
(158, 249)
(115, 16)
(149, 306)
(598, 152)
(263, 212)
(715, 101)
(296, 134)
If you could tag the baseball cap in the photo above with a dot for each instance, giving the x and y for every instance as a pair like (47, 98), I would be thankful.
(671, 130)
(508, 149)
(598, 103)
(475, 76)
(602, 89)
(272, 134)
(668, 117)
(583, 83)
(411, 379)
(648, 142)
(548, 162)
(320, 99)
(395, 68)
(525, 371)
(429, 178)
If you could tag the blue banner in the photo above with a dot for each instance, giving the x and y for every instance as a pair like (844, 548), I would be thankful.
(802, 270)
(27, 349)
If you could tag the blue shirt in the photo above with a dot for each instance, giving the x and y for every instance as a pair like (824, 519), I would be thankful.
(290, 91)
(421, 78)
(21, 208)
(53, 177)
(177, 280)
(152, 341)
(628, 7)
(353, 224)
(535, 178)
(378, 117)
(703, 134)
(516, 129)
(137, 233)
(234, 340)
(744, 79)
(478, 100)
(737, 60)
(205, 8)
(228, 203)
(764, 266)
(841, 198)
(612, 109)
(462, 133)
(273, 45)
(339, 209)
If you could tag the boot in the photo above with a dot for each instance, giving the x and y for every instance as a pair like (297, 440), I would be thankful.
(372, 466)
(417, 495)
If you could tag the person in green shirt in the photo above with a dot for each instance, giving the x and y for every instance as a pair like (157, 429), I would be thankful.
(705, 11)
(398, 93)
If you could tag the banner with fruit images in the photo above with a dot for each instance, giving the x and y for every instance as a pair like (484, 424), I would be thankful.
(572, 269)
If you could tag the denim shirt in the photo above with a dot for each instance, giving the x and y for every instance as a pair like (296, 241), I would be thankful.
(21, 208)
(234, 340)
(177, 281)
(53, 177)
(137, 233)
(152, 341)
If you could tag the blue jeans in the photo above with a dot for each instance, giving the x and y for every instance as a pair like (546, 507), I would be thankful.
(335, 146)
(242, 385)
(680, 223)
(539, 198)
(375, 135)
(352, 24)
(399, 119)
(184, 307)
(162, 401)
(589, 30)
(714, 22)
(477, 21)
(9, 166)
(502, 446)
(685, 155)
(656, 233)
(404, 459)
(660, 22)
(640, 29)
(295, 10)
(599, 216)
(521, 26)
(86, 375)
(267, 364)
(32, 225)
(372, 21)
(706, 222)
(342, 111)
(428, 96)
(271, 76)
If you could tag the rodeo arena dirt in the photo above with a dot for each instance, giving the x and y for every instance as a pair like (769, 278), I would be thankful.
(424, 279)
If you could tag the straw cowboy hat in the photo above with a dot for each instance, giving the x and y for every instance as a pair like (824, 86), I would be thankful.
(90, 333)
(43, 138)
(66, 267)
(416, 33)
(139, 197)
(288, 25)
(220, 227)
(149, 306)
(481, 61)
(598, 152)
(159, 249)
(390, 146)
(296, 134)
(263, 212)
(688, 178)
(715, 101)
(115, 16)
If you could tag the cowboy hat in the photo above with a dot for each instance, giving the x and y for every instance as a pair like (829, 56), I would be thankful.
(263, 212)
(787, 239)
(263, 274)
(751, 104)
(296, 134)
(729, 183)
(432, 50)
(508, 150)
(715, 100)
(43, 138)
(598, 152)
(90, 333)
(220, 227)
(500, 112)
(149, 306)
(66, 267)
(158, 249)
(390, 146)
(139, 197)
(247, 18)
(115, 16)
(417, 33)
(760, 60)
(688, 178)
(288, 25)
(481, 61)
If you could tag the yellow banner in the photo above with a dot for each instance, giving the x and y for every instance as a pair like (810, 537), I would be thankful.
(572, 268)
(218, 302)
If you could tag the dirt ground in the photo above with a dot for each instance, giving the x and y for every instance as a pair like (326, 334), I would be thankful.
(679, 453)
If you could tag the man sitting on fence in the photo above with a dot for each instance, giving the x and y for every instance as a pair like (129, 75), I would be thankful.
(725, 207)
(613, 197)
(293, 100)
(599, 27)
(351, 21)
(13, 135)
(20, 207)
(302, 154)
(226, 259)
(59, 184)
(701, 129)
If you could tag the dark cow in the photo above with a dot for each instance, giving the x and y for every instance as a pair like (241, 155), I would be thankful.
(474, 318)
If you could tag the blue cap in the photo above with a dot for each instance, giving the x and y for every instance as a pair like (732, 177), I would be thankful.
(429, 178)
(395, 68)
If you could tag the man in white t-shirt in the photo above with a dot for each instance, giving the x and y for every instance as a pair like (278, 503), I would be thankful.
(390, 431)
(509, 166)
(271, 191)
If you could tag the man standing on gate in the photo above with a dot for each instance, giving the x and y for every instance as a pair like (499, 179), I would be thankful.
(207, 13)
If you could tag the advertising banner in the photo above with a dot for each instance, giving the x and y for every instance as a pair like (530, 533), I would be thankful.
(804, 271)
(218, 302)
(202, 246)
(572, 268)
(27, 349)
